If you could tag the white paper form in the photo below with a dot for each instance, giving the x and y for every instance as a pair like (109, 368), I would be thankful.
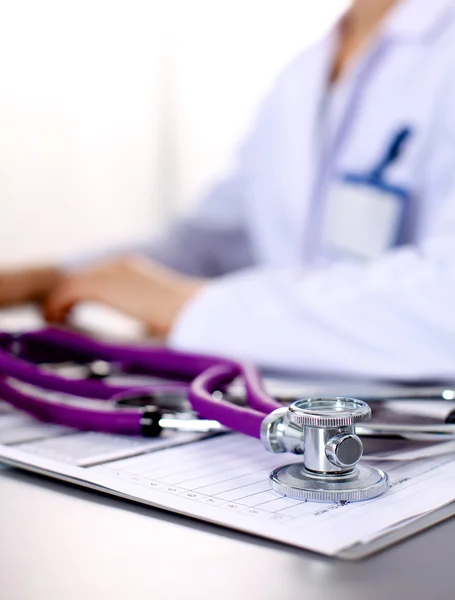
(224, 480)
(229, 475)
(71, 446)
(17, 427)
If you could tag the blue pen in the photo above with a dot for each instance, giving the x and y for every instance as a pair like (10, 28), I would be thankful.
(376, 177)
(393, 153)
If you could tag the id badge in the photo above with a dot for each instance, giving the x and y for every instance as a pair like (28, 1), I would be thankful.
(363, 218)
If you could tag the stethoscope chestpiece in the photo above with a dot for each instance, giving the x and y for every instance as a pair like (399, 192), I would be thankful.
(323, 431)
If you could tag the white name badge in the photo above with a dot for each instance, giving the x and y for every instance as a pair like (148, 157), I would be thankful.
(362, 220)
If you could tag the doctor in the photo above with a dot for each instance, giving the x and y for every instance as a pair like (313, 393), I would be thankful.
(331, 246)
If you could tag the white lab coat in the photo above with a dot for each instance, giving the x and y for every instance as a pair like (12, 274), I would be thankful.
(276, 300)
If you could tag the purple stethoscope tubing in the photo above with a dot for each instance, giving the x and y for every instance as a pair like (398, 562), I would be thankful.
(20, 355)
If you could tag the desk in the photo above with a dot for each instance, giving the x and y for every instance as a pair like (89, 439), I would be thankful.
(61, 542)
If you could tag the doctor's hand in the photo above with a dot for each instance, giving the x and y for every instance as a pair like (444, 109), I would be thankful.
(133, 285)
(29, 284)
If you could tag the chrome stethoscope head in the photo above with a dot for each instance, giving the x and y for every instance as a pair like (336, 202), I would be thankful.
(322, 430)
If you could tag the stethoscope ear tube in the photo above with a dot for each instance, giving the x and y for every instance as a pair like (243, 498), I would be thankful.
(201, 394)
(20, 363)
(120, 421)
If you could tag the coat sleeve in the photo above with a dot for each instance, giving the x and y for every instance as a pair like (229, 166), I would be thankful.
(392, 318)
(214, 239)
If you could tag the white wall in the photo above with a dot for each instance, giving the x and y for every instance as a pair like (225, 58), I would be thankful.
(79, 99)
(114, 113)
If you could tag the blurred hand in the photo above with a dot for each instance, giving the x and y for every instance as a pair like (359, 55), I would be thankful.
(22, 285)
(133, 285)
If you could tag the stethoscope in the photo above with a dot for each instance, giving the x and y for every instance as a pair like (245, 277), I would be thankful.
(321, 430)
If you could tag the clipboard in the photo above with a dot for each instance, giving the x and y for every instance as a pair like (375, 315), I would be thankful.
(249, 517)
(354, 553)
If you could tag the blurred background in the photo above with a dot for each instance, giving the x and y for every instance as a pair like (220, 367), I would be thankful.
(115, 115)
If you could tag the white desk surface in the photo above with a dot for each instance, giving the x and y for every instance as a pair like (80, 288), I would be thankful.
(61, 542)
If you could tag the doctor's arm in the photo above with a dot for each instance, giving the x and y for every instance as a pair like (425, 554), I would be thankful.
(393, 318)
